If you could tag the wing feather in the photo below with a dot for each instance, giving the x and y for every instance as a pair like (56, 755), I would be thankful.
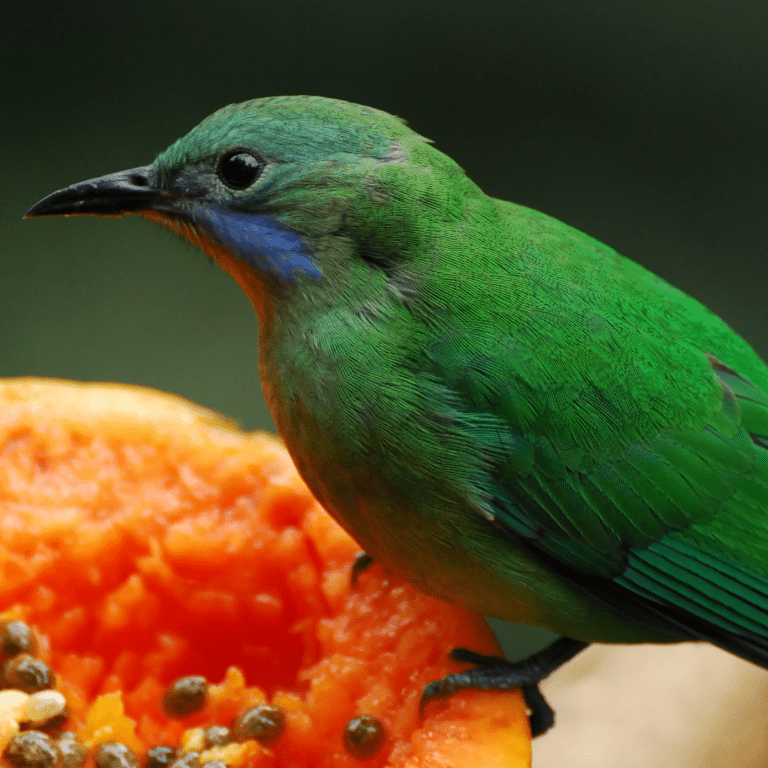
(665, 523)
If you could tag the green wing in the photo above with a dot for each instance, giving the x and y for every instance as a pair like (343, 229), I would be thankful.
(590, 513)
(632, 459)
(677, 523)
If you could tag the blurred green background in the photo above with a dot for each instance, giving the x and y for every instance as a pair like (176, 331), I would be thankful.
(643, 124)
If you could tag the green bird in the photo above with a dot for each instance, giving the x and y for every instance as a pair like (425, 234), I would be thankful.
(500, 408)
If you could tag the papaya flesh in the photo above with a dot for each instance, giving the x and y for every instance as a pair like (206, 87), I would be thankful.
(147, 543)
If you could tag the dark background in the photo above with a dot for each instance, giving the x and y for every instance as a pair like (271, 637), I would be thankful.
(643, 124)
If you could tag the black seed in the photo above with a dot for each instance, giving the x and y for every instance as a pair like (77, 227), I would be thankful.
(160, 756)
(73, 752)
(363, 737)
(264, 723)
(216, 736)
(16, 637)
(185, 696)
(49, 726)
(32, 749)
(114, 754)
(28, 674)
(187, 760)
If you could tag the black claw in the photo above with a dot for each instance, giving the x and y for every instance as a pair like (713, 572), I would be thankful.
(495, 674)
(437, 689)
(541, 716)
(361, 562)
(479, 659)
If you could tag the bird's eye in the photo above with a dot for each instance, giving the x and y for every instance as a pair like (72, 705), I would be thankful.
(239, 169)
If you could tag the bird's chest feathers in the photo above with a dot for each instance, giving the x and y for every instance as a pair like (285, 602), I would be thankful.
(335, 375)
(363, 421)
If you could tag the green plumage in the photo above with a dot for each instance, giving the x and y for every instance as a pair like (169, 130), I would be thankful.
(511, 414)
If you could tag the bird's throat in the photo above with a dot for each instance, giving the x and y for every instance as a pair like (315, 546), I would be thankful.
(260, 241)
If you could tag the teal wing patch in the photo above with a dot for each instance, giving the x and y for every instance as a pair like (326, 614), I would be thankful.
(676, 524)
(591, 518)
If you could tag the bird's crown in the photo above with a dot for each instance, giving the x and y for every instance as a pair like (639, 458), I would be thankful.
(290, 128)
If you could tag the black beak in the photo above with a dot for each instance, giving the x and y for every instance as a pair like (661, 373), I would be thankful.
(113, 195)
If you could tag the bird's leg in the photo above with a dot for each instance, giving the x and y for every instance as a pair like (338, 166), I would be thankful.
(361, 562)
(493, 673)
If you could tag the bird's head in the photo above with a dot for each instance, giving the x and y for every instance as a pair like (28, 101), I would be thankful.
(283, 191)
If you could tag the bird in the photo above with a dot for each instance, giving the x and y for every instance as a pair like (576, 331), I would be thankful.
(496, 406)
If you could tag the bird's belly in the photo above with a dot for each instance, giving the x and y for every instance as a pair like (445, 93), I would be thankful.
(441, 545)
(481, 570)
(462, 559)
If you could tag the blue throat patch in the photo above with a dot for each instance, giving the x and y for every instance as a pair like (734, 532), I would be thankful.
(258, 240)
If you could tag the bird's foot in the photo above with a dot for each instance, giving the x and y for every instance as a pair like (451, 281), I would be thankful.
(361, 562)
(493, 673)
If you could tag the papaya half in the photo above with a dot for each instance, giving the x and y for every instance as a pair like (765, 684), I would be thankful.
(172, 595)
